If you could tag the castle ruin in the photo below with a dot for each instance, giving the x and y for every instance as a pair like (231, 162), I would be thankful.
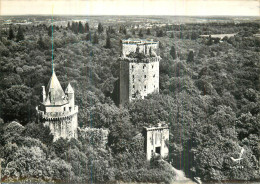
(57, 109)
(155, 140)
(139, 69)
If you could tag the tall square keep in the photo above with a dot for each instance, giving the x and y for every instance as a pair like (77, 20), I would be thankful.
(139, 69)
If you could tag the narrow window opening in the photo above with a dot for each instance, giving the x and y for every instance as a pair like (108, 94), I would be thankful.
(158, 150)
(133, 86)
(144, 76)
(64, 108)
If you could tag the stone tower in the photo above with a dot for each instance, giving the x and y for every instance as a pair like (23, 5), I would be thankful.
(139, 69)
(57, 109)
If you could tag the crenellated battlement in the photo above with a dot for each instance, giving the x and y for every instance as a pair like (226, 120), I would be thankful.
(143, 60)
(143, 46)
(52, 116)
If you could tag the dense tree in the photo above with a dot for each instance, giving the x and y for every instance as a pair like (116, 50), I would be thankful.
(86, 27)
(38, 131)
(11, 33)
(50, 30)
(194, 35)
(75, 27)
(173, 52)
(118, 137)
(108, 42)
(190, 56)
(148, 32)
(88, 37)
(81, 28)
(41, 43)
(33, 157)
(159, 33)
(140, 34)
(100, 28)
(110, 30)
(124, 31)
(210, 40)
(17, 103)
(95, 38)
(120, 29)
(172, 35)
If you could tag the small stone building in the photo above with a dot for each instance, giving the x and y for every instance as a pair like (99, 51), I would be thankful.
(57, 109)
(155, 140)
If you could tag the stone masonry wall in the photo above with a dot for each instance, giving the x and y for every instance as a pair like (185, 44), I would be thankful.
(144, 79)
(124, 82)
(65, 128)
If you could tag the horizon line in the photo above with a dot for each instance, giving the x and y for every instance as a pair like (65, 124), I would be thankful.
(131, 15)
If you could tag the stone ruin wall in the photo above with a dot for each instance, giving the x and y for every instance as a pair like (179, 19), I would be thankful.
(156, 137)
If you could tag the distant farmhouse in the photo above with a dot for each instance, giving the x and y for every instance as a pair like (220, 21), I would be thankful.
(139, 69)
(57, 109)
(220, 36)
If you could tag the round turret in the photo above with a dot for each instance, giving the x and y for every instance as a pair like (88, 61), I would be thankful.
(70, 94)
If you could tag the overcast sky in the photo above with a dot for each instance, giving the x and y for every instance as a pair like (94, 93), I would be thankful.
(131, 7)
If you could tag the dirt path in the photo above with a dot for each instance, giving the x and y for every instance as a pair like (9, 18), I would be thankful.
(180, 178)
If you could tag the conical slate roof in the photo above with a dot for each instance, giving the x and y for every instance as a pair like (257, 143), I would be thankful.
(69, 89)
(55, 93)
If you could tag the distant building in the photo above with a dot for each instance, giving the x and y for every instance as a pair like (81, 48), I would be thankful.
(57, 109)
(220, 36)
(155, 140)
(139, 69)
